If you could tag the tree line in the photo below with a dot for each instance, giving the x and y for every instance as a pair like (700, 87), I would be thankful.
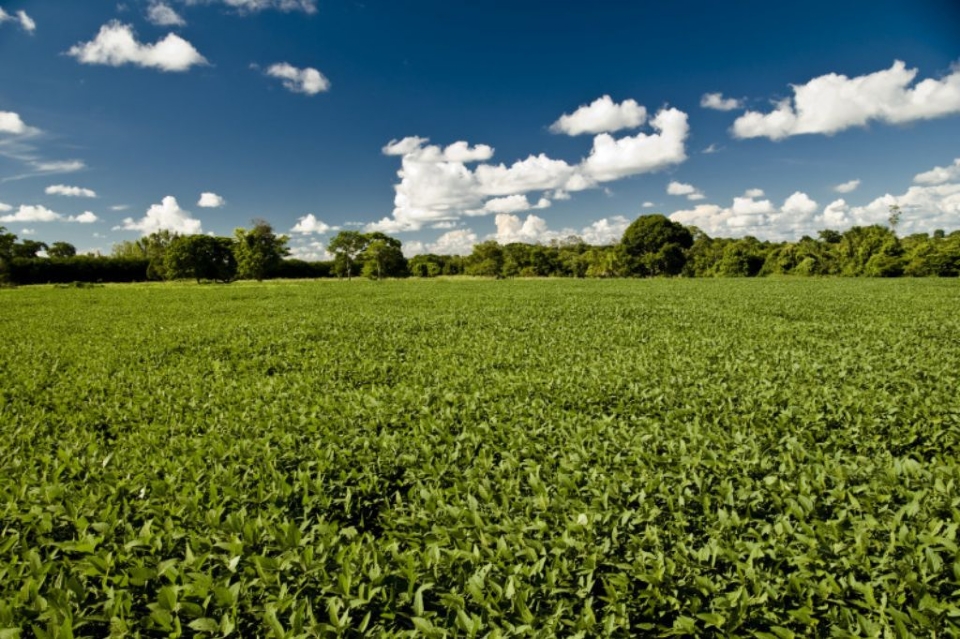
(651, 246)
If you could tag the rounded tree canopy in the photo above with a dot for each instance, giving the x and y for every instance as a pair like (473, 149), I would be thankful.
(650, 233)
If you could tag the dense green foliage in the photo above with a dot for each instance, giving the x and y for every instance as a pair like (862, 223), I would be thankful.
(202, 257)
(651, 246)
(258, 252)
(730, 458)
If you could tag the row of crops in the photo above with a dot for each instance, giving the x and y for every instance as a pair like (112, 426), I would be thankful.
(481, 459)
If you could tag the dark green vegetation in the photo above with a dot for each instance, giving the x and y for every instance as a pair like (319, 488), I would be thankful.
(740, 458)
(651, 246)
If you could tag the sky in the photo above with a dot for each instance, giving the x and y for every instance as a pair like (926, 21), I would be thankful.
(444, 124)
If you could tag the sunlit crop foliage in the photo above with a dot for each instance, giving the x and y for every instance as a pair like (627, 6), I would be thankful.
(548, 458)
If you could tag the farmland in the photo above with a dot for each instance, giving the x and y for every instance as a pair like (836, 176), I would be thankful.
(436, 458)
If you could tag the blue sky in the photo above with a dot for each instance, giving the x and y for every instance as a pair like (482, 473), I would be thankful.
(516, 121)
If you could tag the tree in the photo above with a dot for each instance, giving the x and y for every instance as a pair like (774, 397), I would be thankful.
(28, 248)
(346, 246)
(7, 240)
(259, 251)
(655, 245)
(62, 249)
(383, 257)
(152, 247)
(201, 257)
(486, 259)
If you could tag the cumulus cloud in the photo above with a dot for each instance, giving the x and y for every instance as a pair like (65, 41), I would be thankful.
(833, 102)
(31, 213)
(116, 45)
(753, 193)
(603, 115)
(310, 224)
(648, 205)
(308, 80)
(163, 15)
(925, 207)
(5, 207)
(311, 251)
(87, 217)
(437, 185)
(753, 216)
(458, 242)
(69, 191)
(612, 159)
(717, 102)
(847, 187)
(679, 188)
(605, 231)
(21, 17)
(210, 201)
(11, 122)
(939, 174)
(511, 204)
(164, 216)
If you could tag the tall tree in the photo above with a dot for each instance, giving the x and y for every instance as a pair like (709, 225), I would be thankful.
(259, 251)
(7, 240)
(201, 257)
(28, 248)
(383, 257)
(655, 245)
(62, 249)
(346, 246)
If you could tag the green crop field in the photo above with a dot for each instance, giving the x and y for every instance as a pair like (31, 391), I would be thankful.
(730, 458)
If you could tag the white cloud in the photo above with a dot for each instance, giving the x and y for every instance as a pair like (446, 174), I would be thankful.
(530, 231)
(28, 232)
(458, 242)
(605, 231)
(612, 159)
(832, 102)
(116, 45)
(713, 148)
(436, 185)
(512, 204)
(535, 173)
(10, 122)
(718, 102)
(924, 207)
(308, 80)
(800, 205)
(648, 205)
(444, 225)
(69, 191)
(253, 6)
(30, 213)
(751, 216)
(939, 174)
(603, 115)
(210, 201)
(119, 207)
(311, 251)
(26, 22)
(164, 216)
(679, 188)
(753, 193)
(87, 217)
(5, 207)
(847, 187)
(310, 224)
(163, 15)
(59, 166)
